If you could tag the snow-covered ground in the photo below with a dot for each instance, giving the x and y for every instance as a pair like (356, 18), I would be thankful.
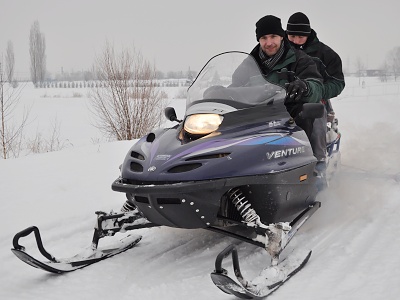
(354, 236)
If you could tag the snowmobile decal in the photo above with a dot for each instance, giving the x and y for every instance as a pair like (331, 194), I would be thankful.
(286, 152)
(216, 145)
(163, 157)
(274, 123)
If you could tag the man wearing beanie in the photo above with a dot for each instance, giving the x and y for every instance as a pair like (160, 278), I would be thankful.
(302, 36)
(283, 65)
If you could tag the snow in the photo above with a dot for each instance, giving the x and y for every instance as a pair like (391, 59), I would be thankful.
(354, 235)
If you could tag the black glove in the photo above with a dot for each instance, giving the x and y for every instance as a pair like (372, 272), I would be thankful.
(296, 89)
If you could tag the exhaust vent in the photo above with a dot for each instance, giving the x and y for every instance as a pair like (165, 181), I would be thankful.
(137, 155)
(184, 168)
(141, 199)
(135, 167)
(168, 201)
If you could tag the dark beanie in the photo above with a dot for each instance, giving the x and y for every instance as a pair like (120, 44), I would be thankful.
(298, 24)
(269, 25)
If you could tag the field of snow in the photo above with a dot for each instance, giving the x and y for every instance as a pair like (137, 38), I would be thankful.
(354, 236)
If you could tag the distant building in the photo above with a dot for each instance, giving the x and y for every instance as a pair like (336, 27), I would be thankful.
(374, 72)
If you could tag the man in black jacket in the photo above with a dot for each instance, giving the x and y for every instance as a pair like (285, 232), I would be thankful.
(283, 65)
(303, 37)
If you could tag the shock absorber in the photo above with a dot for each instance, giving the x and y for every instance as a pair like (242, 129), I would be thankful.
(243, 206)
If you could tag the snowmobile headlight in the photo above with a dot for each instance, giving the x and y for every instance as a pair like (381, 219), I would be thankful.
(202, 123)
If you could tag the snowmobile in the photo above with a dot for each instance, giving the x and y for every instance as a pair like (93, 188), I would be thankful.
(237, 164)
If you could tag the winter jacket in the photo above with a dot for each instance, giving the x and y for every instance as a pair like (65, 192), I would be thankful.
(329, 65)
(292, 65)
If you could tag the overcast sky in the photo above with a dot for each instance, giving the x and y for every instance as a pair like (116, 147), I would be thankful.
(178, 34)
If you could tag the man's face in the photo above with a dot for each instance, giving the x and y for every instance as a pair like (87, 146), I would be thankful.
(270, 43)
(297, 39)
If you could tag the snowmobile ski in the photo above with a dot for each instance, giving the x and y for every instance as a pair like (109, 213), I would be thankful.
(107, 224)
(278, 237)
(269, 280)
(85, 258)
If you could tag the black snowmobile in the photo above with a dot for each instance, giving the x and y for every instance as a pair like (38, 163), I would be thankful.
(237, 164)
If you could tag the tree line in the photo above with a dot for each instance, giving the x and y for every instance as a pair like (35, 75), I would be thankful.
(38, 73)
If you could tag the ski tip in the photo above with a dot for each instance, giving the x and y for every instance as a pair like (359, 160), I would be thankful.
(263, 285)
(229, 286)
(26, 258)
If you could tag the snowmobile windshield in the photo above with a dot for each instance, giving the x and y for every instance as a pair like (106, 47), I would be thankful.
(233, 79)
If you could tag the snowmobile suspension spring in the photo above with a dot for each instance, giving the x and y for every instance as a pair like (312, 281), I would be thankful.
(243, 206)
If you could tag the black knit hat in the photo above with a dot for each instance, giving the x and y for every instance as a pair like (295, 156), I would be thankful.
(269, 25)
(298, 24)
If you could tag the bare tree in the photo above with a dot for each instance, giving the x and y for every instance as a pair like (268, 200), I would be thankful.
(11, 132)
(383, 76)
(393, 60)
(10, 62)
(127, 102)
(40, 145)
(37, 51)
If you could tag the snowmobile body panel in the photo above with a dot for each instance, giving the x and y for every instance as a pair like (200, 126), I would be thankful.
(271, 145)
(197, 204)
